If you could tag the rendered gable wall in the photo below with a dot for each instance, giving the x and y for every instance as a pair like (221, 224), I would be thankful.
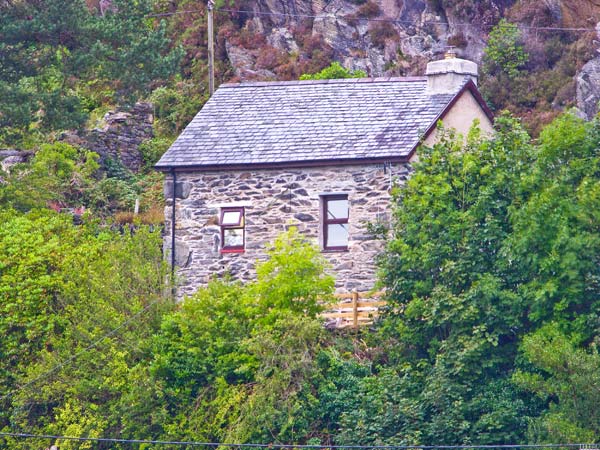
(460, 117)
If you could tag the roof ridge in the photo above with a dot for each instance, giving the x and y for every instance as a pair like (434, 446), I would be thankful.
(328, 81)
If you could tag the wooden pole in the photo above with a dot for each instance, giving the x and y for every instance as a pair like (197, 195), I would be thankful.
(211, 49)
(355, 308)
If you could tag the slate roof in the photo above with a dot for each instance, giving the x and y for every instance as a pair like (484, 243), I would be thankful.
(302, 122)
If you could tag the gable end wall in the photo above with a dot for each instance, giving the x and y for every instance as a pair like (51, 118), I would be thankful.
(460, 117)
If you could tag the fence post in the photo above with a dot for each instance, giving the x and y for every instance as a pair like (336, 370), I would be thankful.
(355, 308)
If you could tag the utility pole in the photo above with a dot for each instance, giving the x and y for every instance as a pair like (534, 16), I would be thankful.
(211, 49)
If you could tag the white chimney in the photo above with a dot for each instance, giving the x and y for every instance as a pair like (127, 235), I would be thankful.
(447, 75)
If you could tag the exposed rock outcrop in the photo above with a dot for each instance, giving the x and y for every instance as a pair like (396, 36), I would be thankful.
(120, 136)
(382, 37)
(588, 87)
(11, 157)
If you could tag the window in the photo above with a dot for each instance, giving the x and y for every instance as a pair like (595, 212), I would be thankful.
(232, 230)
(335, 222)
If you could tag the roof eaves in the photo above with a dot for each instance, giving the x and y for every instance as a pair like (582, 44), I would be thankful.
(281, 164)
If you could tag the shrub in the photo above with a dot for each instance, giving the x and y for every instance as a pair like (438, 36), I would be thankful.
(380, 32)
(504, 52)
(369, 9)
(151, 151)
(334, 70)
(112, 194)
(175, 106)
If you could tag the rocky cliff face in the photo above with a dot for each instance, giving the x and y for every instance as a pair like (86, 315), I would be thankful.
(381, 37)
(588, 86)
(281, 39)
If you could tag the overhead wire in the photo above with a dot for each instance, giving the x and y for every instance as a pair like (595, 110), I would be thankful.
(371, 19)
(292, 446)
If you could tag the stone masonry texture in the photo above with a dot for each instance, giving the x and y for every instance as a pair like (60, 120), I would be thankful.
(120, 137)
(273, 201)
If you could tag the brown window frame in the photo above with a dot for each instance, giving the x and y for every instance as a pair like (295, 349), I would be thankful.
(241, 225)
(327, 221)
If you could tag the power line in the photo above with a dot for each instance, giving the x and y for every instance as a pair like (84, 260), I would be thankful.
(292, 446)
(398, 21)
(371, 19)
(189, 11)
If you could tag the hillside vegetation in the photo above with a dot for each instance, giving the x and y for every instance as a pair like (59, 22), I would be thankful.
(491, 267)
(492, 273)
(65, 63)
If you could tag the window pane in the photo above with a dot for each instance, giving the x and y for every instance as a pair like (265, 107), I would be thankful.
(233, 237)
(337, 235)
(231, 218)
(337, 209)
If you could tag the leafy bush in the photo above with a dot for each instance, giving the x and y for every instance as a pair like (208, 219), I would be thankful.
(58, 173)
(567, 376)
(63, 287)
(175, 106)
(110, 195)
(151, 151)
(504, 52)
(256, 342)
(334, 70)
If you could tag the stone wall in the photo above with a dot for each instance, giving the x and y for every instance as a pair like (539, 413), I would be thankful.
(274, 200)
(120, 136)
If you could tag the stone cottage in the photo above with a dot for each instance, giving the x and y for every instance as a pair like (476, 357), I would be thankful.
(319, 155)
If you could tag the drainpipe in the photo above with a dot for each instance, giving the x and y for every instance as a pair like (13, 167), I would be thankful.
(174, 176)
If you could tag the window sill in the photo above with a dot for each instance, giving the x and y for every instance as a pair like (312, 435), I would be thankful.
(232, 250)
(335, 250)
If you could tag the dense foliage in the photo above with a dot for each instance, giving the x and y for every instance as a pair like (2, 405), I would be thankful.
(494, 241)
(64, 288)
(62, 177)
(492, 264)
(334, 70)
(491, 335)
(60, 59)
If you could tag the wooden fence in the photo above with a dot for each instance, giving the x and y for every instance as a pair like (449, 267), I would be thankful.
(354, 309)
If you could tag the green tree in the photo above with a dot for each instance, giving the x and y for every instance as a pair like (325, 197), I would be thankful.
(442, 261)
(504, 52)
(80, 304)
(247, 353)
(457, 317)
(555, 247)
(568, 377)
(52, 53)
(493, 240)
(334, 70)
